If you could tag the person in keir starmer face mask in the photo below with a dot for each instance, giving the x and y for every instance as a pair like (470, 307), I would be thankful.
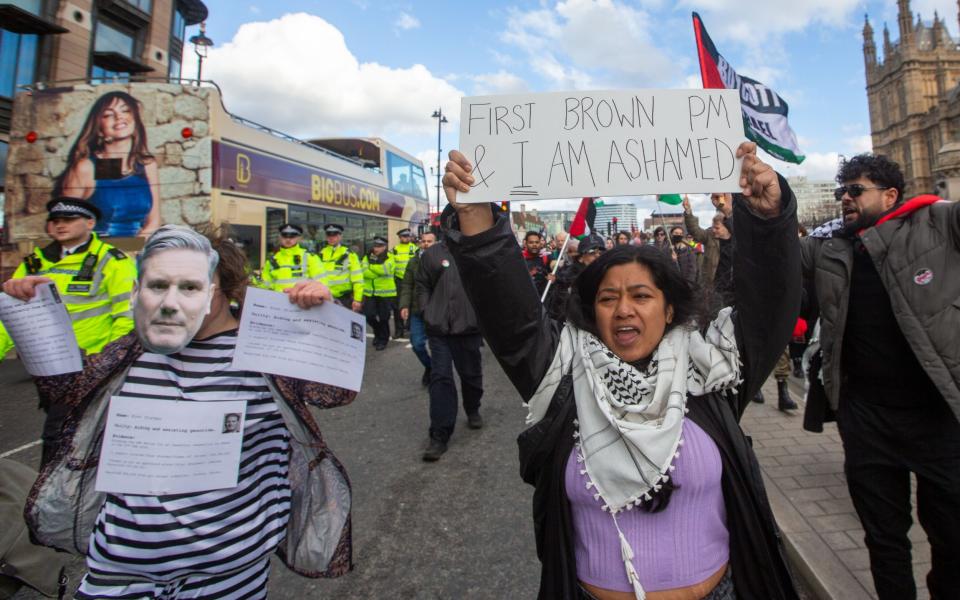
(209, 543)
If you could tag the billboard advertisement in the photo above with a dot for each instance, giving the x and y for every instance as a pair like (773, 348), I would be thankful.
(141, 153)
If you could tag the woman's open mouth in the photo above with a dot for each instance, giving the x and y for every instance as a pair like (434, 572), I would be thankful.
(626, 335)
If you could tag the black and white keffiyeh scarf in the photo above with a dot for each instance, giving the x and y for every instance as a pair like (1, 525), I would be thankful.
(630, 420)
(828, 229)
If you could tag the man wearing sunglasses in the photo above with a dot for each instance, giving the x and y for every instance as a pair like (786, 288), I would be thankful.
(887, 278)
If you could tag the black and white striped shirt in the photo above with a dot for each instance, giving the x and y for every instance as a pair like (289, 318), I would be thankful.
(165, 537)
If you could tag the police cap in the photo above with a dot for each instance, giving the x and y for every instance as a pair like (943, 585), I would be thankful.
(290, 230)
(404, 232)
(333, 229)
(379, 240)
(71, 207)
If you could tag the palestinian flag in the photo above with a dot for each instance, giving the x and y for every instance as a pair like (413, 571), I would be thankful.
(583, 221)
(764, 111)
(672, 199)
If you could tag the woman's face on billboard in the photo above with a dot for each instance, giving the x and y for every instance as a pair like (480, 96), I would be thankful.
(116, 121)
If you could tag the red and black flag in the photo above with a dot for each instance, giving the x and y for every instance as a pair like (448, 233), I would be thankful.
(764, 111)
(583, 221)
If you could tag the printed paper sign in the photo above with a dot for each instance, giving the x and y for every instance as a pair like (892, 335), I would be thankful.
(42, 332)
(153, 447)
(604, 143)
(325, 343)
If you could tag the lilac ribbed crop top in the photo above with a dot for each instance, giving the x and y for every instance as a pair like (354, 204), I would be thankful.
(680, 546)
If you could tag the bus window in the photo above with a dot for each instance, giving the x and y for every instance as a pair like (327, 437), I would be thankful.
(419, 182)
(247, 237)
(404, 176)
(275, 218)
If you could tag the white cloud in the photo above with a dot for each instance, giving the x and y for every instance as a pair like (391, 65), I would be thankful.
(297, 74)
(406, 21)
(591, 43)
(501, 82)
(822, 166)
(947, 9)
(254, 9)
(728, 19)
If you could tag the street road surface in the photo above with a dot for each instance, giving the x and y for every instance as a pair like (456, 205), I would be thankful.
(455, 529)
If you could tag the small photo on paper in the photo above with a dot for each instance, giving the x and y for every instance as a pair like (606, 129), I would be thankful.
(231, 423)
(356, 331)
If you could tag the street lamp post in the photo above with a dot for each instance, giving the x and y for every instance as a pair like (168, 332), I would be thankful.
(438, 115)
(201, 43)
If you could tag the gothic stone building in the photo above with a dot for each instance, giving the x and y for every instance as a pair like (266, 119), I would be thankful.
(914, 101)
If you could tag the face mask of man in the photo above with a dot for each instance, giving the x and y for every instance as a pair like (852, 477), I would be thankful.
(171, 299)
(676, 239)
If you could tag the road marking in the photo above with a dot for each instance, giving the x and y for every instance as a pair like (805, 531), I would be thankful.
(21, 448)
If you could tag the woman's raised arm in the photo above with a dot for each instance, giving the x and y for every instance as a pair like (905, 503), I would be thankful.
(512, 320)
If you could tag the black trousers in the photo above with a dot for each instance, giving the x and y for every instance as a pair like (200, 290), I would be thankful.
(377, 311)
(462, 351)
(883, 444)
(346, 299)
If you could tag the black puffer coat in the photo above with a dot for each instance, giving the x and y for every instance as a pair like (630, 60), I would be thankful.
(524, 340)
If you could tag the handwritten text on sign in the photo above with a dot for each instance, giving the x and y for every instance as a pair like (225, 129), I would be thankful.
(604, 143)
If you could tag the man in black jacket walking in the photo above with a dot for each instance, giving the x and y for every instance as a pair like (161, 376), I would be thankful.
(454, 338)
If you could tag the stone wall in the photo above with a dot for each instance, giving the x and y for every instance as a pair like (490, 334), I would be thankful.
(185, 164)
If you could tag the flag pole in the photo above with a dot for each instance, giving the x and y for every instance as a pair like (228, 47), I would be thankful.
(663, 222)
(563, 253)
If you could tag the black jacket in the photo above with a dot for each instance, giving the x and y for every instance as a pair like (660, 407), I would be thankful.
(440, 294)
(723, 282)
(524, 340)
(560, 290)
(406, 295)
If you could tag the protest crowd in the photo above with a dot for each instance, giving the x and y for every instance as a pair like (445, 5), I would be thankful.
(667, 336)
(636, 354)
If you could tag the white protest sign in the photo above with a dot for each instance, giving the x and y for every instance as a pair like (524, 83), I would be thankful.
(42, 332)
(601, 143)
(155, 446)
(325, 343)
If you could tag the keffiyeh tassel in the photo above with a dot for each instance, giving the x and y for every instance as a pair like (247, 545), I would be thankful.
(626, 553)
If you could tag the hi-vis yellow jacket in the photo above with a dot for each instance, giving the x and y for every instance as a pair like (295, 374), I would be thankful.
(402, 253)
(94, 282)
(342, 272)
(287, 266)
(378, 276)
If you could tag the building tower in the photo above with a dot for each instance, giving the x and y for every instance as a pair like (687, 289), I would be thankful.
(904, 21)
(869, 47)
(907, 89)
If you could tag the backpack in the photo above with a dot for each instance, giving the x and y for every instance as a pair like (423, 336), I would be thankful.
(23, 562)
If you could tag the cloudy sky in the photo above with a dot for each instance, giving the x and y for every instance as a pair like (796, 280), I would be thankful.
(317, 68)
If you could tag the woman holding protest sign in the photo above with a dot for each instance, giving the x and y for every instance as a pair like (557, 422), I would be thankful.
(646, 487)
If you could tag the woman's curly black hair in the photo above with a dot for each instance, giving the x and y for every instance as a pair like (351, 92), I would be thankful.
(684, 297)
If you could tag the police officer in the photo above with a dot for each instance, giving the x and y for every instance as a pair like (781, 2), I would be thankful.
(402, 253)
(341, 269)
(379, 291)
(94, 280)
(291, 263)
